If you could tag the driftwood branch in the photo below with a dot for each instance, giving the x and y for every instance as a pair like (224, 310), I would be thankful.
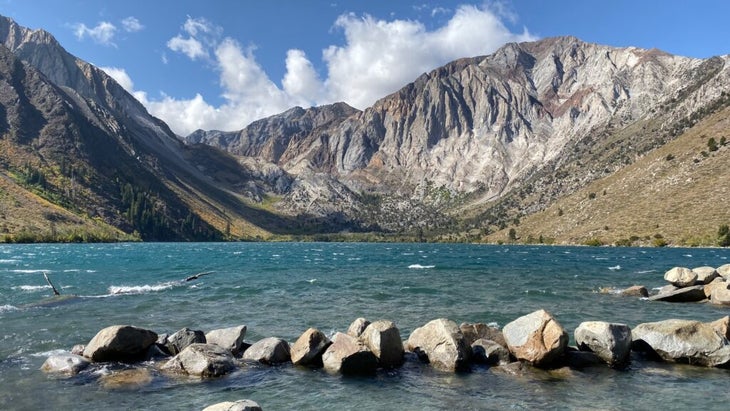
(198, 275)
(55, 291)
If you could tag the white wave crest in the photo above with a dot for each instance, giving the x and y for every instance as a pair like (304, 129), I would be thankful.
(420, 267)
(28, 271)
(8, 307)
(9, 261)
(31, 287)
(615, 268)
(139, 289)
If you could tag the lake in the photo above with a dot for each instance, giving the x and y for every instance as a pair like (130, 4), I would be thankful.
(281, 289)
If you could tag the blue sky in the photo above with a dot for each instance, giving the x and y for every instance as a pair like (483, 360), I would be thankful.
(222, 64)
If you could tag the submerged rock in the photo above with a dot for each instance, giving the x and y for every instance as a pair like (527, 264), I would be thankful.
(348, 355)
(307, 350)
(120, 343)
(536, 338)
(230, 338)
(204, 360)
(441, 343)
(611, 342)
(383, 339)
(682, 341)
(269, 351)
(240, 405)
(66, 364)
(127, 379)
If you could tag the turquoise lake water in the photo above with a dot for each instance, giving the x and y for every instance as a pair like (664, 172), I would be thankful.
(281, 289)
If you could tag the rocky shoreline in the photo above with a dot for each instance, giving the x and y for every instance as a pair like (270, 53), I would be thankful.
(533, 341)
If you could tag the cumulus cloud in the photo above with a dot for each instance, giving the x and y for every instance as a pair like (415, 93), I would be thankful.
(131, 24)
(102, 33)
(378, 57)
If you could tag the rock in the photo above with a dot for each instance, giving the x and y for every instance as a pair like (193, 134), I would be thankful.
(718, 282)
(475, 331)
(536, 338)
(682, 341)
(383, 339)
(269, 351)
(309, 347)
(126, 379)
(668, 289)
(67, 364)
(484, 351)
(720, 296)
(724, 271)
(681, 277)
(441, 343)
(120, 343)
(348, 355)
(357, 327)
(635, 291)
(611, 342)
(240, 405)
(230, 338)
(204, 360)
(575, 358)
(722, 326)
(705, 275)
(682, 295)
(182, 338)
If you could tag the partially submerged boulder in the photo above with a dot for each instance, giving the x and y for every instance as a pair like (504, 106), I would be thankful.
(240, 405)
(383, 339)
(611, 342)
(484, 351)
(65, 364)
(682, 341)
(230, 338)
(635, 291)
(123, 343)
(204, 360)
(131, 378)
(536, 338)
(348, 355)
(441, 343)
(475, 331)
(307, 350)
(182, 338)
(271, 350)
(681, 277)
(682, 295)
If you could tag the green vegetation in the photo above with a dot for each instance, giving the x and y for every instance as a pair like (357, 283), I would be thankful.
(723, 236)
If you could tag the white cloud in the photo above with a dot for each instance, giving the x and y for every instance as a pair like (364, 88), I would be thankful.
(131, 24)
(120, 76)
(188, 46)
(378, 58)
(102, 33)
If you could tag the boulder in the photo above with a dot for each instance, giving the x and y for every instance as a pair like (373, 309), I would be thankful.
(681, 277)
(720, 296)
(357, 327)
(269, 351)
(182, 338)
(667, 289)
(383, 339)
(230, 338)
(308, 348)
(635, 291)
(78, 349)
(484, 351)
(718, 282)
(705, 275)
(120, 343)
(682, 295)
(348, 355)
(611, 342)
(682, 341)
(66, 364)
(240, 405)
(722, 326)
(475, 331)
(441, 343)
(536, 338)
(204, 360)
(577, 359)
(132, 378)
(724, 271)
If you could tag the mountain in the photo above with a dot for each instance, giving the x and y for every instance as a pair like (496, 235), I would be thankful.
(475, 145)
(483, 148)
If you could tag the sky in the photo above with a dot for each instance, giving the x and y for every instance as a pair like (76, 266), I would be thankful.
(219, 65)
